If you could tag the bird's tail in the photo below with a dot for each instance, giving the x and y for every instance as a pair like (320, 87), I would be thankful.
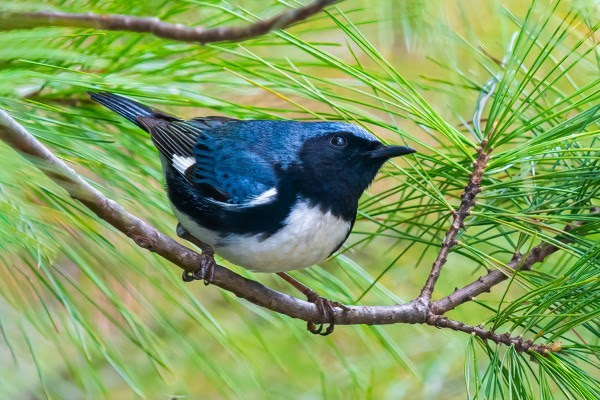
(128, 108)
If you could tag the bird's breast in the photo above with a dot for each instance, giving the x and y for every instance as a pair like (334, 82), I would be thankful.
(308, 236)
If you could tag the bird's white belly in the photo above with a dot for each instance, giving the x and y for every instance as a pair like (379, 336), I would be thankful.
(308, 237)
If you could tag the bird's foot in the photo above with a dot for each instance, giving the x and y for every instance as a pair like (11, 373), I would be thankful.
(205, 273)
(327, 309)
(325, 306)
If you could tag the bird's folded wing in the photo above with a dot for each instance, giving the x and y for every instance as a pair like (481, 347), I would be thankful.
(230, 166)
(221, 167)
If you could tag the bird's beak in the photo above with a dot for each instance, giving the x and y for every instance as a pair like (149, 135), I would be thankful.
(391, 151)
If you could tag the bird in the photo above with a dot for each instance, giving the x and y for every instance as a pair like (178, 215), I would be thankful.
(267, 195)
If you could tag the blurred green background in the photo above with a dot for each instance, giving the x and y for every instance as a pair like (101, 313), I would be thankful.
(84, 313)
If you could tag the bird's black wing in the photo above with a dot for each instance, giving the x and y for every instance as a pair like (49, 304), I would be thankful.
(176, 139)
(171, 140)
(219, 166)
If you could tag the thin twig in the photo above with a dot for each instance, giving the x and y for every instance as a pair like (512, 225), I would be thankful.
(156, 27)
(518, 342)
(485, 283)
(467, 202)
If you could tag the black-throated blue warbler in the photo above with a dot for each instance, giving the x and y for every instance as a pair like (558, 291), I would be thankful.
(270, 196)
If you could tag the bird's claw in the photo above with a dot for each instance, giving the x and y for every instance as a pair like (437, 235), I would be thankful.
(327, 309)
(205, 273)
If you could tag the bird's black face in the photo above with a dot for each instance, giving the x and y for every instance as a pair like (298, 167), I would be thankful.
(338, 167)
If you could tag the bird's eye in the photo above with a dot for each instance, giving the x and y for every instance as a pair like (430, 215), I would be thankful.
(338, 141)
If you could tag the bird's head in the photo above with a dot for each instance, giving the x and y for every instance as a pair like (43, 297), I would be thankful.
(340, 160)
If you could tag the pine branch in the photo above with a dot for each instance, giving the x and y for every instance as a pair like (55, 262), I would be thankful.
(467, 202)
(485, 283)
(505, 338)
(151, 239)
(178, 32)
(420, 310)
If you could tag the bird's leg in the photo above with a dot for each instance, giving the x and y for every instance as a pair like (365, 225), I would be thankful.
(207, 261)
(325, 306)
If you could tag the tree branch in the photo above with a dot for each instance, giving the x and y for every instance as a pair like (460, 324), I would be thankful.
(114, 22)
(151, 239)
(505, 338)
(458, 222)
(484, 283)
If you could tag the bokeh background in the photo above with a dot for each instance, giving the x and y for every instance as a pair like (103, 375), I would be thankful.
(84, 313)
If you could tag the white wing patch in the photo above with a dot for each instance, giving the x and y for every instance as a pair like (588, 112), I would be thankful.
(181, 163)
(264, 197)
